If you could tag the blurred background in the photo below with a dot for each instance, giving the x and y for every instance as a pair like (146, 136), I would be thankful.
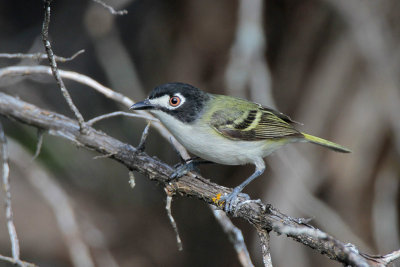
(333, 65)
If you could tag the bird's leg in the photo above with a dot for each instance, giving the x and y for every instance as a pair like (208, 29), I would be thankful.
(231, 199)
(188, 166)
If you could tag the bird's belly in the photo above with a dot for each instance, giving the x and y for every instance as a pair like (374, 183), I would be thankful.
(208, 144)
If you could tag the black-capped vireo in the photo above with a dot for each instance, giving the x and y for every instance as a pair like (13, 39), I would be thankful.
(224, 129)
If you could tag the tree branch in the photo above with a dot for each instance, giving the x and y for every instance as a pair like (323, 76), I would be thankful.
(7, 197)
(265, 247)
(253, 211)
(38, 56)
(53, 65)
(235, 236)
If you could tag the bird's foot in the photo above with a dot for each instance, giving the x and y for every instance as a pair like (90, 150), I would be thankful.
(183, 169)
(231, 200)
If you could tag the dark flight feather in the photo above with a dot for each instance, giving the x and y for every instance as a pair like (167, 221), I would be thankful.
(253, 125)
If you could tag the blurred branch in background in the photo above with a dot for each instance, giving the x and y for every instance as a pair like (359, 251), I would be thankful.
(111, 53)
(62, 206)
(247, 67)
(111, 9)
(59, 202)
(5, 170)
(235, 236)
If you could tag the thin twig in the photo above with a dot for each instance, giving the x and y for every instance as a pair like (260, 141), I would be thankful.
(17, 262)
(235, 236)
(53, 65)
(108, 92)
(392, 256)
(38, 56)
(119, 113)
(132, 180)
(265, 247)
(111, 9)
(171, 218)
(7, 197)
(142, 142)
(39, 143)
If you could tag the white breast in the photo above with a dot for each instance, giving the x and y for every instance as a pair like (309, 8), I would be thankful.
(206, 143)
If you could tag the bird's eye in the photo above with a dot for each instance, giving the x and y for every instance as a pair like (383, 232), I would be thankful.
(174, 101)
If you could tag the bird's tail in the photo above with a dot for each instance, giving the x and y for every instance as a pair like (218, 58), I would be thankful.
(325, 143)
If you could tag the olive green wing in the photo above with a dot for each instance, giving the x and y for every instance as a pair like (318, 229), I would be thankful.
(254, 124)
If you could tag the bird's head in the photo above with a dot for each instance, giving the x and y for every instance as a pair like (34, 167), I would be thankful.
(179, 100)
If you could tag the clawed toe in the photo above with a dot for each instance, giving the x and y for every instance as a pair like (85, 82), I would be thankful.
(181, 170)
(231, 200)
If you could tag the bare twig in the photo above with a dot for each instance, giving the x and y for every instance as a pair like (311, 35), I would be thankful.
(353, 256)
(391, 257)
(39, 143)
(142, 142)
(255, 212)
(171, 218)
(132, 180)
(7, 197)
(17, 262)
(30, 70)
(235, 236)
(59, 202)
(111, 9)
(265, 247)
(38, 56)
(119, 113)
(53, 65)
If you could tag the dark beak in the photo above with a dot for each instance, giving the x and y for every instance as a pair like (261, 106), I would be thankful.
(145, 104)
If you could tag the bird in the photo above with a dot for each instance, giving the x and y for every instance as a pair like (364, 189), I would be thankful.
(224, 129)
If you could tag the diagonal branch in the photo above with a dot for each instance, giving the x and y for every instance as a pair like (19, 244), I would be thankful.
(53, 64)
(235, 236)
(254, 212)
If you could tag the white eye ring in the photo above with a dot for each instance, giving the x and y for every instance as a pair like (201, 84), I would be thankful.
(165, 101)
(176, 97)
